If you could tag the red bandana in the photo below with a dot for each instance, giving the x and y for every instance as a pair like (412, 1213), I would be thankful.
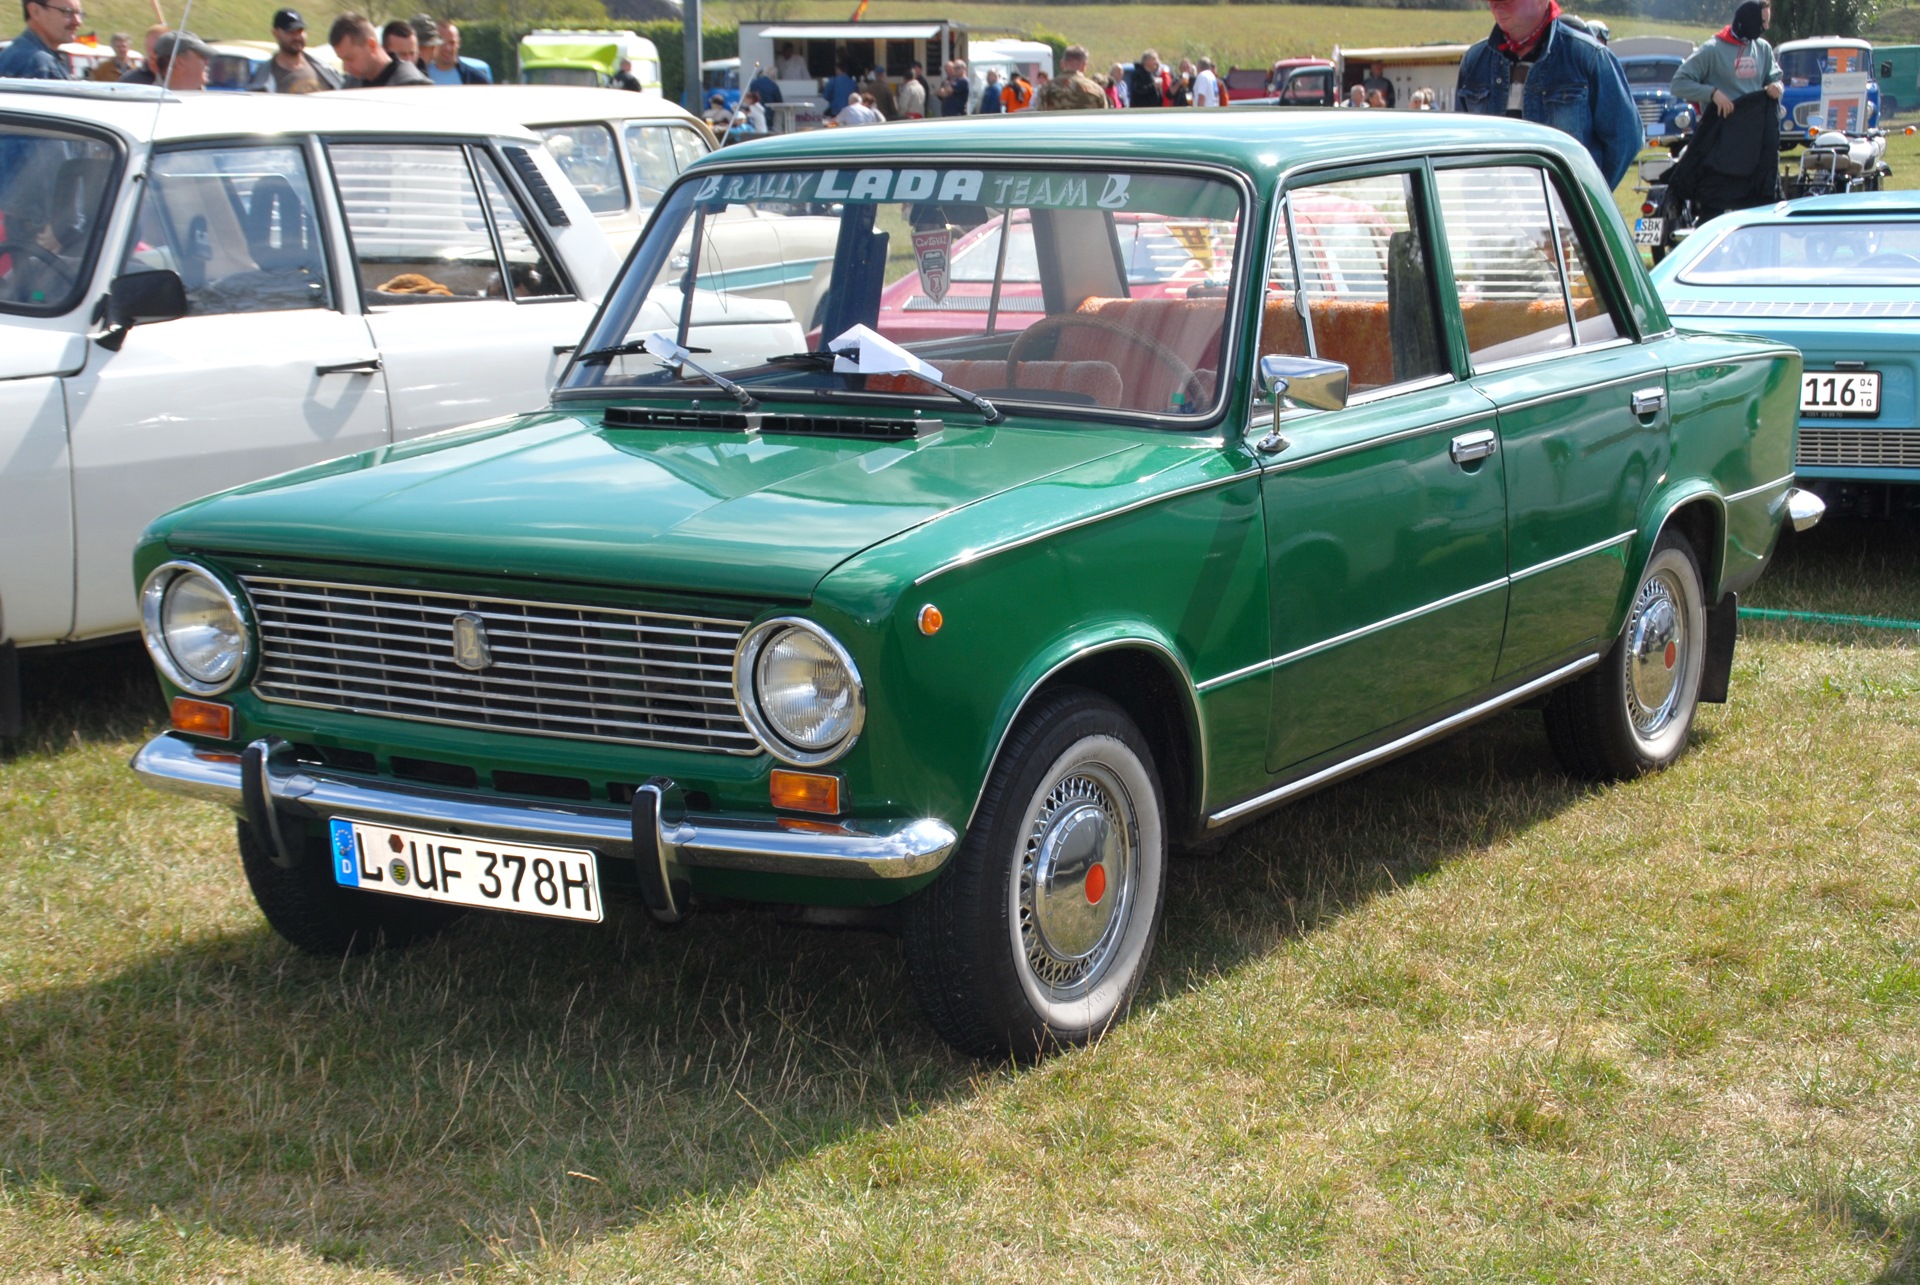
(1516, 48)
(1726, 34)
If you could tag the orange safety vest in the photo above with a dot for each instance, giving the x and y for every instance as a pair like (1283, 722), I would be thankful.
(1017, 96)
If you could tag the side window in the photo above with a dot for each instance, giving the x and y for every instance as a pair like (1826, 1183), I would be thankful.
(590, 158)
(688, 146)
(1355, 256)
(529, 272)
(1500, 234)
(652, 160)
(237, 224)
(416, 222)
(1592, 322)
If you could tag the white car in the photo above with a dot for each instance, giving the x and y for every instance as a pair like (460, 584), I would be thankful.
(199, 290)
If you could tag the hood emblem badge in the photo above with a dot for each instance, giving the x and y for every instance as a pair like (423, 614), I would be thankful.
(470, 642)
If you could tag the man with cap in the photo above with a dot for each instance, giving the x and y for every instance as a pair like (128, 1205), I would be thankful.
(292, 70)
(181, 61)
(357, 45)
(1540, 69)
(35, 52)
(444, 65)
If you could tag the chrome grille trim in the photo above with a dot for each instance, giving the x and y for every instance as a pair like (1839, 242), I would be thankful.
(585, 672)
(1858, 447)
(1651, 110)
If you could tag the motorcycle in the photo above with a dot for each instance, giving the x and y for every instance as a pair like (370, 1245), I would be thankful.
(1837, 162)
(1653, 229)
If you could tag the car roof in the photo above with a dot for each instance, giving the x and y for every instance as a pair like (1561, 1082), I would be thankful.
(1260, 141)
(528, 105)
(1823, 42)
(145, 112)
(1877, 205)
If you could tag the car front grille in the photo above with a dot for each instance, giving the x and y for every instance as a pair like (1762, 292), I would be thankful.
(1859, 447)
(583, 672)
(1651, 109)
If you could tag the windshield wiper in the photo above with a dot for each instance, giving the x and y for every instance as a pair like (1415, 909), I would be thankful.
(865, 352)
(818, 357)
(674, 358)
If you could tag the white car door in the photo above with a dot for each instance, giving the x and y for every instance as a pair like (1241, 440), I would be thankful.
(264, 374)
(471, 308)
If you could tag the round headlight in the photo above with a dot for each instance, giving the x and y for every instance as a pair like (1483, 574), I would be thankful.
(799, 691)
(1682, 120)
(193, 628)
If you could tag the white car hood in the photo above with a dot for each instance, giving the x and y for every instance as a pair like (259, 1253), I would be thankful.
(28, 354)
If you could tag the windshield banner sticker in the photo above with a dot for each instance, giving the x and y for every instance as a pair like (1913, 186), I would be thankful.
(932, 250)
(993, 188)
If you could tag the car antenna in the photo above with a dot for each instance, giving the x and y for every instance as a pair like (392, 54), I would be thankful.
(166, 87)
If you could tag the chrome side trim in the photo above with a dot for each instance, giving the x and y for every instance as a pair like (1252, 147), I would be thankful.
(1351, 448)
(1324, 644)
(976, 555)
(1600, 547)
(1115, 644)
(172, 765)
(1761, 489)
(1360, 762)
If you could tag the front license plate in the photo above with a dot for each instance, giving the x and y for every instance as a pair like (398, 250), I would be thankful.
(1832, 394)
(561, 883)
(1647, 231)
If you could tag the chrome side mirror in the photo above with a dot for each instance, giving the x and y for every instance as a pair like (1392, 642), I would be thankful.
(1307, 381)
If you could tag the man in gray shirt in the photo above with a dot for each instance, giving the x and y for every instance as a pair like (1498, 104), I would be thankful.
(1734, 62)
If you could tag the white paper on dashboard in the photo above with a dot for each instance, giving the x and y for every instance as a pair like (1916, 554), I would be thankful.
(873, 354)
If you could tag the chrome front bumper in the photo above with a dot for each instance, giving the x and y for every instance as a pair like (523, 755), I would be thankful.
(657, 833)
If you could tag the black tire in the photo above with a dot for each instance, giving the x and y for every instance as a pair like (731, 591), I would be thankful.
(1632, 713)
(316, 915)
(1020, 947)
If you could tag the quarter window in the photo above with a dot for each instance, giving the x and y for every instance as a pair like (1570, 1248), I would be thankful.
(422, 233)
(1520, 269)
(238, 225)
(1352, 251)
(656, 154)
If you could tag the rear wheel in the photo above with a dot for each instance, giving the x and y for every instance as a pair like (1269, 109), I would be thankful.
(312, 912)
(1038, 933)
(1631, 715)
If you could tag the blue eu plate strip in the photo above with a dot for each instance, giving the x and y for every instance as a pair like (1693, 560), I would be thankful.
(346, 870)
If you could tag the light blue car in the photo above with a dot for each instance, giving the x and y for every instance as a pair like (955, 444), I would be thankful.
(1838, 277)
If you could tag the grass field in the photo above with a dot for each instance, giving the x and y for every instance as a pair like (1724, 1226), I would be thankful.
(1456, 1020)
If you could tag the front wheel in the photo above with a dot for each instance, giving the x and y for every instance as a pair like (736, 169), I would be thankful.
(1631, 715)
(316, 915)
(1037, 934)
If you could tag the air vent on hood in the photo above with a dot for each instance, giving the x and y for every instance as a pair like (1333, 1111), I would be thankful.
(751, 424)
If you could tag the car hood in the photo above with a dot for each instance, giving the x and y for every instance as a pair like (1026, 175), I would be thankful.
(26, 353)
(560, 497)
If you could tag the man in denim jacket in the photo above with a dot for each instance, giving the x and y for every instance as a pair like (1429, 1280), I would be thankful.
(1534, 66)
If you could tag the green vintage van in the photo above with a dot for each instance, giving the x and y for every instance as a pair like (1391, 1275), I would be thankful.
(1133, 476)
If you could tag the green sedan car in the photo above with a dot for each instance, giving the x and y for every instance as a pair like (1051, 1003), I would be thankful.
(1248, 452)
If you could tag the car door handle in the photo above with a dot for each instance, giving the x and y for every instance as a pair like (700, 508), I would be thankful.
(365, 366)
(1649, 401)
(1476, 445)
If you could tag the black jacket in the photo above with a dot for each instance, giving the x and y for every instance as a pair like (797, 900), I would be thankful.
(1733, 161)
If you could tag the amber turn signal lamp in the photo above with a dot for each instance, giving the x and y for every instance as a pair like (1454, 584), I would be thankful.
(931, 620)
(806, 791)
(202, 718)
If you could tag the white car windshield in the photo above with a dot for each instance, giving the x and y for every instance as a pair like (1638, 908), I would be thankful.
(1802, 252)
(1090, 289)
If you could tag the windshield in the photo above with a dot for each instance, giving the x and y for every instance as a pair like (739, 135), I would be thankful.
(1650, 71)
(1084, 288)
(1850, 254)
(55, 188)
(1803, 67)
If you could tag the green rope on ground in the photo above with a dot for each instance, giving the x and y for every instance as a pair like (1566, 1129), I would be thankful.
(1827, 618)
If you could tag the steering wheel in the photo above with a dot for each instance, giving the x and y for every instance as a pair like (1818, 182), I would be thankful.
(1186, 378)
(1890, 259)
(45, 256)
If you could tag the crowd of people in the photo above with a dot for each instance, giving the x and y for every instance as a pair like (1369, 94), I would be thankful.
(421, 50)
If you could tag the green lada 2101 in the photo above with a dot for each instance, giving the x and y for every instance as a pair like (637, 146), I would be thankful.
(1043, 496)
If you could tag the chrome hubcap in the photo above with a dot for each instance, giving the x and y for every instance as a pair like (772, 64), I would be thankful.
(1656, 654)
(1076, 879)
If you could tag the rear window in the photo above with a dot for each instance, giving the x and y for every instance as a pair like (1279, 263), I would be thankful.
(1852, 253)
(1658, 71)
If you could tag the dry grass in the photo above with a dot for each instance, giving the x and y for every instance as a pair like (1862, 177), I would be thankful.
(1456, 1020)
